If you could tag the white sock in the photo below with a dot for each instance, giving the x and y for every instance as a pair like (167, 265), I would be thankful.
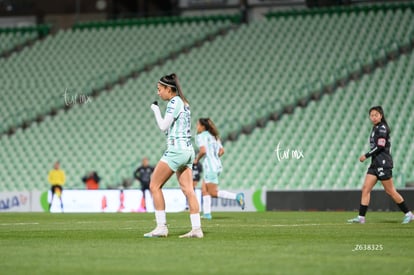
(207, 204)
(226, 195)
(409, 213)
(160, 217)
(195, 221)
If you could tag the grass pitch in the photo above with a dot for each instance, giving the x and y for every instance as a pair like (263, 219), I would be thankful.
(234, 243)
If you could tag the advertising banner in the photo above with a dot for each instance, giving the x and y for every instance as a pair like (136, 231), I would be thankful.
(111, 201)
(254, 202)
(15, 201)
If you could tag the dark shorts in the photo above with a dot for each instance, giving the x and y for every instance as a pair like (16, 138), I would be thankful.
(145, 186)
(54, 187)
(380, 172)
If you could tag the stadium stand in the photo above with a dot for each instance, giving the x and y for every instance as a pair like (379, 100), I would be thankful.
(240, 80)
(87, 58)
(11, 40)
(15, 38)
(331, 133)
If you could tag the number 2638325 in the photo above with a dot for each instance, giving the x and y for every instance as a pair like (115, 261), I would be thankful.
(368, 247)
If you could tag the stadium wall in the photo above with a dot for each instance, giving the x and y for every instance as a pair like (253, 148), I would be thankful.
(111, 201)
(91, 201)
(333, 200)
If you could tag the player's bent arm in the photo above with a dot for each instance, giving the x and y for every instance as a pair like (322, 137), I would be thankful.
(163, 123)
(380, 146)
(221, 152)
(200, 154)
(370, 153)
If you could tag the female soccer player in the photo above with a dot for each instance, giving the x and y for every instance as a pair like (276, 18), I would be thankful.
(178, 157)
(210, 146)
(381, 166)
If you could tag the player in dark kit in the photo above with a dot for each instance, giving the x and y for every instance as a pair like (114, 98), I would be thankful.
(143, 175)
(197, 170)
(381, 166)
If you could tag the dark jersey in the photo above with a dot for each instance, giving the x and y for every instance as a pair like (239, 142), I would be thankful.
(197, 169)
(143, 174)
(380, 143)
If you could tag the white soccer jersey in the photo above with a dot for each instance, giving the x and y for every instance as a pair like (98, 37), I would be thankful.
(211, 162)
(179, 133)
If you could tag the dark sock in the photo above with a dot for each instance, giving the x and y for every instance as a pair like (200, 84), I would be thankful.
(363, 210)
(403, 207)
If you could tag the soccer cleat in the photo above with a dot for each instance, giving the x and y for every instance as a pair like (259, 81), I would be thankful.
(408, 218)
(195, 233)
(159, 231)
(358, 219)
(240, 200)
(207, 217)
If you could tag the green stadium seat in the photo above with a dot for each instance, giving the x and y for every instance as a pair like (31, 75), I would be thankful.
(235, 79)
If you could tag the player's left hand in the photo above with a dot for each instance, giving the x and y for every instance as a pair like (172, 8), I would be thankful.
(155, 107)
(362, 158)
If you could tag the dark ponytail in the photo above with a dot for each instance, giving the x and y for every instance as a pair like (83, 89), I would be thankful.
(383, 120)
(172, 82)
(209, 126)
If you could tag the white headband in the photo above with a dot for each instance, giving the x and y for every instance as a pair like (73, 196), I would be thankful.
(166, 84)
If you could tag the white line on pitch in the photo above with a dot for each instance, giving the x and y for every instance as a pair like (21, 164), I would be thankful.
(297, 225)
(19, 223)
(275, 225)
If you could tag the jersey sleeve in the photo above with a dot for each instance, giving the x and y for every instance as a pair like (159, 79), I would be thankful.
(137, 174)
(201, 140)
(381, 136)
(174, 107)
(163, 123)
(63, 178)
